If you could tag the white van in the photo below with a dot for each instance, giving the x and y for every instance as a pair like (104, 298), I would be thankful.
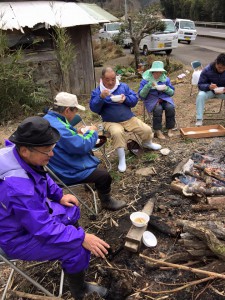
(109, 30)
(186, 30)
(166, 40)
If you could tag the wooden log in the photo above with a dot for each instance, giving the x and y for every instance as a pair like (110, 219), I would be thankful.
(185, 165)
(134, 235)
(204, 207)
(202, 190)
(217, 227)
(193, 244)
(218, 201)
(215, 266)
(177, 186)
(206, 235)
(164, 227)
(201, 253)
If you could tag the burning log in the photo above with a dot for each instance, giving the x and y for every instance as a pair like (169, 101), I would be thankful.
(198, 189)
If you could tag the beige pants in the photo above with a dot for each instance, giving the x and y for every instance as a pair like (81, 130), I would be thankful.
(135, 125)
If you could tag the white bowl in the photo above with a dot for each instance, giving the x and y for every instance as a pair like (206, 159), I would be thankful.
(160, 87)
(139, 218)
(149, 239)
(116, 98)
(219, 90)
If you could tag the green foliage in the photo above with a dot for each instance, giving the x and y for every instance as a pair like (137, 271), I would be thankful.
(65, 52)
(197, 10)
(19, 93)
(150, 157)
(116, 176)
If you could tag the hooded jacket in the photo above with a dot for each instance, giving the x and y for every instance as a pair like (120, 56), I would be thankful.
(72, 161)
(150, 94)
(29, 220)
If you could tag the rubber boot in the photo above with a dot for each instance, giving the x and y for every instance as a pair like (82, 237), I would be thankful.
(109, 203)
(79, 288)
(122, 159)
(160, 135)
(151, 145)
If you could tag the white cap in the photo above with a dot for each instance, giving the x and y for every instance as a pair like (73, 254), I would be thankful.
(67, 100)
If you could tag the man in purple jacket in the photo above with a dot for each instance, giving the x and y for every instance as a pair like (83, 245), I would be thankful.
(38, 222)
(212, 77)
(118, 116)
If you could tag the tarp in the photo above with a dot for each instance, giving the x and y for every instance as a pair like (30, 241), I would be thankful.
(16, 15)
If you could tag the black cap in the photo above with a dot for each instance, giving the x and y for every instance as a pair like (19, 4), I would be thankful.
(35, 131)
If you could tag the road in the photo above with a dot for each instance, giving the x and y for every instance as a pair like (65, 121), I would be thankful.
(205, 49)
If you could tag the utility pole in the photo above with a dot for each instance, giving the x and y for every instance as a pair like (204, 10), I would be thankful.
(125, 8)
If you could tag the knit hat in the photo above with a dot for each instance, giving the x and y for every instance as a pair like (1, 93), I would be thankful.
(35, 132)
(67, 100)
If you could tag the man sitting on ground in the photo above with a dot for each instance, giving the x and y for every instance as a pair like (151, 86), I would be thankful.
(212, 77)
(72, 161)
(37, 221)
(117, 116)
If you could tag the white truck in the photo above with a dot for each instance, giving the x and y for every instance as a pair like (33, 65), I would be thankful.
(109, 30)
(166, 40)
(186, 30)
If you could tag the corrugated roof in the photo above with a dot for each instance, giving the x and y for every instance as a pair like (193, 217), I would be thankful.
(98, 13)
(16, 15)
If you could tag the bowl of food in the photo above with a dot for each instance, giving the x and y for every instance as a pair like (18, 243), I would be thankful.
(116, 98)
(219, 90)
(139, 218)
(160, 87)
(149, 239)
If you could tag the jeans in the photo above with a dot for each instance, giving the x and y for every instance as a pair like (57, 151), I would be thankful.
(202, 97)
(169, 113)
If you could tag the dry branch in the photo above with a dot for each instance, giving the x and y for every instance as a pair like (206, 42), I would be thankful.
(182, 267)
(33, 297)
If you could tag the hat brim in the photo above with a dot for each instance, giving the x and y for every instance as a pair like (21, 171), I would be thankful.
(14, 138)
(81, 107)
(157, 70)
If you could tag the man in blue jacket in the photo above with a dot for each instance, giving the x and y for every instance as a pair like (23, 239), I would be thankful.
(212, 77)
(118, 116)
(38, 222)
(72, 161)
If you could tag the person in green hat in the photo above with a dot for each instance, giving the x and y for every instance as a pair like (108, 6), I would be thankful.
(156, 91)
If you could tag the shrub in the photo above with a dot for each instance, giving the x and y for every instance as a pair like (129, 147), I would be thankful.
(19, 94)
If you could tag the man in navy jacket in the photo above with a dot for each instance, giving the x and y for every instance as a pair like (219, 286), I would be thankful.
(118, 116)
(212, 77)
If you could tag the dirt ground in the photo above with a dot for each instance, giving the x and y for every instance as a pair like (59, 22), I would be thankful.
(126, 274)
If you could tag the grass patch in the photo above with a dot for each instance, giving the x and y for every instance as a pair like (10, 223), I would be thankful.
(150, 157)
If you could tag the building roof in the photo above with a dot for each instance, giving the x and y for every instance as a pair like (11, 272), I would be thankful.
(16, 15)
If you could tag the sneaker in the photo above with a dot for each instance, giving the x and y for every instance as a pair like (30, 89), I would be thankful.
(170, 133)
(198, 123)
(160, 135)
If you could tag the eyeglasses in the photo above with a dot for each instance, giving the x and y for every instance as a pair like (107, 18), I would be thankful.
(42, 152)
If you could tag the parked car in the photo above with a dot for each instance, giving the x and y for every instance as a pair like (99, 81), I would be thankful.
(186, 30)
(109, 30)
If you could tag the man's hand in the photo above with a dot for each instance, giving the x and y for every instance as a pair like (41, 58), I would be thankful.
(94, 244)
(123, 98)
(104, 94)
(69, 200)
(212, 86)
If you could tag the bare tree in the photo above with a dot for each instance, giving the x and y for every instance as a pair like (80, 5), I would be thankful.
(142, 24)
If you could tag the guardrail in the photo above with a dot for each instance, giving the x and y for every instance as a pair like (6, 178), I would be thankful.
(210, 24)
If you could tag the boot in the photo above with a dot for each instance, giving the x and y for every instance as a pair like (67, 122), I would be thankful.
(151, 145)
(160, 135)
(79, 288)
(122, 159)
(110, 203)
(170, 133)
